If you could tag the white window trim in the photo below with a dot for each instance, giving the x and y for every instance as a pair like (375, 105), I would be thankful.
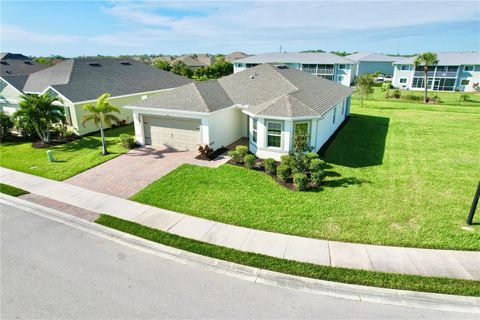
(465, 68)
(465, 85)
(340, 67)
(267, 134)
(400, 80)
(254, 130)
(340, 76)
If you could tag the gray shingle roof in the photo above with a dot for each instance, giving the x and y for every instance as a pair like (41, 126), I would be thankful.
(373, 57)
(86, 79)
(8, 55)
(16, 70)
(191, 62)
(450, 58)
(296, 57)
(265, 90)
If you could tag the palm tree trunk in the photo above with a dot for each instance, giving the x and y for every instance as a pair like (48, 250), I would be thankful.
(425, 94)
(104, 145)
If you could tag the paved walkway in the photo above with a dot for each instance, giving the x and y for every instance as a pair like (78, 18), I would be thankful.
(425, 262)
(129, 173)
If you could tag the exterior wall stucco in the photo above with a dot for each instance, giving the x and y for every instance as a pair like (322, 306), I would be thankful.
(374, 66)
(226, 126)
(9, 98)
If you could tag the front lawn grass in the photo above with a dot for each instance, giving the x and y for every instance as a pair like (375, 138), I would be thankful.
(11, 190)
(399, 176)
(360, 277)
(71, 158)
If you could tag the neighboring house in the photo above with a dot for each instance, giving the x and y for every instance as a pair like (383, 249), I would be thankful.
(454, 71)
(15, 69)
(81, 81)
(191, 63)
(325, 65)
(235, 56)
(266, 104)
(206, 58)
(168, 59)
(367, 62)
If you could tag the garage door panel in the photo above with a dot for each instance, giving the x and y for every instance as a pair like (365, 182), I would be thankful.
(182, 134)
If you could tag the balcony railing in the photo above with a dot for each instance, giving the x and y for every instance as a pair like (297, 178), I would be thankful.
(431, 73)
(318, 71)
(446, 74)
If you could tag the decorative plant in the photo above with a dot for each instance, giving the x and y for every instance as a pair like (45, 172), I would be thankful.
(205, 151)
(242, 151)
(300, 180)
(102, 113)
(249, 161)
(270, 166)
(283, 172)
(235, 156)
(128, 141)
(426, 60)
(364, 84)
(317, 171)
(6, 123)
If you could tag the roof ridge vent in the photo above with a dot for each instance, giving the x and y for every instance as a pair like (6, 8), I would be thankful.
(94, 64)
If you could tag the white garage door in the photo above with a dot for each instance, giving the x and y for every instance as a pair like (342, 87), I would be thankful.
(177, 133)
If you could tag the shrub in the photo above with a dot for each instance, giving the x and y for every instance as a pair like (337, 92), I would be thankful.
(26, 128)
(299, 163)
(283, 172)
(397, 94)
(386, 86)
(269, 166)
(6, 123)
(300, 181)
(249, 161)
(205, 152)
(412, 97)
(128, 141)
(242, 151)
(235, 156)
(317, 165)
(311, 156)
(317, 177)
(286, 159)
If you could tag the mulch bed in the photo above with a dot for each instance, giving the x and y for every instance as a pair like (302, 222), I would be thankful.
(213, 155)
(54, 142)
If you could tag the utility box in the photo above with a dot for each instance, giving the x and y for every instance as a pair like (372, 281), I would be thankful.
(50, 156)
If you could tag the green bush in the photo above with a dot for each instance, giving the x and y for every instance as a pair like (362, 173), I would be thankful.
(412, 97)
(242, 151)
(397, 94)
(128, 141)
(300, 180)
(299, 163)
(311, 156)
(283, 172)
(235, 156)
(249, 161)
(286, 159)
(6, 123)
(317, 165)
(269, 166)
(317, 177)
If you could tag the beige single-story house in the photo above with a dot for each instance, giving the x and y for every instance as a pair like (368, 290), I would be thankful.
(81, 81)
(266, 104)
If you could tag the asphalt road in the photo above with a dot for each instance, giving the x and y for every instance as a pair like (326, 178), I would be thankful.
(51, 270)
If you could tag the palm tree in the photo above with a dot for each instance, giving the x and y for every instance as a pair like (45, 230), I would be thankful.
(41, 112)
(426, 59)
(101, 113)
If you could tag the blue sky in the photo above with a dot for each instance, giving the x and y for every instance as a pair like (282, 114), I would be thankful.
(73, 28)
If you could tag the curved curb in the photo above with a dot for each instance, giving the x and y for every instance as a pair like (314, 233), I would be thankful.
(404, 298)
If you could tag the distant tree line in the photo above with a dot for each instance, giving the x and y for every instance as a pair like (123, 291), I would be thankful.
(219, 69)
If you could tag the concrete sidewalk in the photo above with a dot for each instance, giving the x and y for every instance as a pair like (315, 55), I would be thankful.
(425, 262)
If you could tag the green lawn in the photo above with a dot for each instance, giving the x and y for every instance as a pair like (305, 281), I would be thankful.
(400, 175)
(447, 98)
(361, 277)
(71, 158)
(11, 190)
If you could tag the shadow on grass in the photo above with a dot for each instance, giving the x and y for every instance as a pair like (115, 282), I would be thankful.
(359, 143)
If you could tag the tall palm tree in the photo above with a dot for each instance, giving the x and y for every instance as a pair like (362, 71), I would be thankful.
(426, 59)
(101, 113)
(41, 112)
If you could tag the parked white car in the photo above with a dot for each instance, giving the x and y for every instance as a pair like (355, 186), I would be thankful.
(388, 77)
(379, 79)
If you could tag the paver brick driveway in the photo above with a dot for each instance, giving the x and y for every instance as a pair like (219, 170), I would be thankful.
(127, 174)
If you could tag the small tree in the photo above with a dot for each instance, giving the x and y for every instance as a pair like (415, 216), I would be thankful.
(6, 123)
(101, 113)
(426, 59)
(364, 85)
(162, 64)
(40, 112)
(180, 68)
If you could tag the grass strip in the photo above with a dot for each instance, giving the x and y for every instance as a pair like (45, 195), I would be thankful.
(360, 277)
(11, 190)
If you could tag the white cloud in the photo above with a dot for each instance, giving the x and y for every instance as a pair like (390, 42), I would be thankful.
(13, 33)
